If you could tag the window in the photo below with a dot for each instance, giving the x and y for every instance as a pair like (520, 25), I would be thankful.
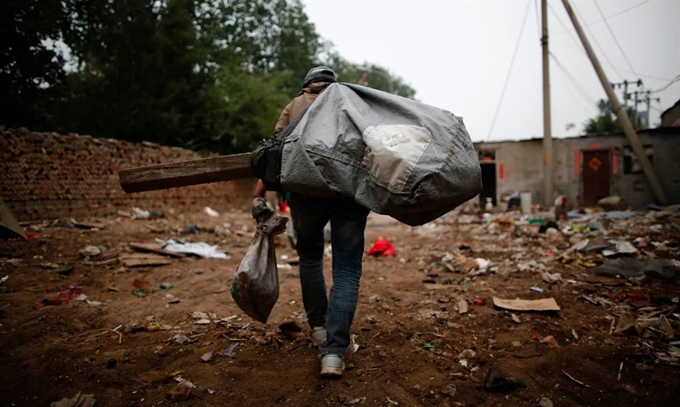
(485, 156)
(630, 162)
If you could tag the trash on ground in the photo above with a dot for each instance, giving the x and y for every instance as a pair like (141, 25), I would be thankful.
(631, 267)
(537, 289)
(2, 280)
(211, 212)
(429, 346)
(64, 296)
(138, 213)
(230, 351)
(200, 249)
(545, 402)
(140, 292)
(143, 260)
(381, 248)
(183, 339)
(156, 248)
(255, 286)
(462, 306)
(207, 357)
(496, 382)
(165, 286)
(478, 302)
(89, 251)
(551, 278)
(80, 400)
(545, 304)
(171, 299)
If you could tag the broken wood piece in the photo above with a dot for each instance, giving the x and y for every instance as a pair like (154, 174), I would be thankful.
(144, 260)
(154, 248)
(545, 304)
(181, 174)
(88, 225)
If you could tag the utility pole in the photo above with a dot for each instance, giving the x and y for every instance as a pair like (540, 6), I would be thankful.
(648, 99)
(548, 197)
(620, 112)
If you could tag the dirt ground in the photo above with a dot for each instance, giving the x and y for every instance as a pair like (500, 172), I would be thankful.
(408, 325)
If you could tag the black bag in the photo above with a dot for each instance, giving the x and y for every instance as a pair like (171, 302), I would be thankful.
(267, 158)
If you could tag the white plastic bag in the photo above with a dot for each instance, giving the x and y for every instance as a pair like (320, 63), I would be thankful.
(255, 286)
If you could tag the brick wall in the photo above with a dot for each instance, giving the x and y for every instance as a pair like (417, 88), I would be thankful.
(51, 176)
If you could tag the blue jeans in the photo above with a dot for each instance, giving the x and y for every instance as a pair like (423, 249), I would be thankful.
(348, 222)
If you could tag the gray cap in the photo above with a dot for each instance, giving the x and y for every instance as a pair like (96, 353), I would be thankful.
(320, 73)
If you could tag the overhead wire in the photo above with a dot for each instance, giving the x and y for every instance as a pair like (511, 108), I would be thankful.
(615, 39)
(598, 44)
(507, 76)
(674, 80)
(584, 94)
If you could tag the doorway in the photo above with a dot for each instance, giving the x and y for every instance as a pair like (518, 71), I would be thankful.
(488, 183)
(596, 181)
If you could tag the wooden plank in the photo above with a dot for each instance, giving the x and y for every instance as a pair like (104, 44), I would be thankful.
(154, 248)
(143, 259)
(185, 173)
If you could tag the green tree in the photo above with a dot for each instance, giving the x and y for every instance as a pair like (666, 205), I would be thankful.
(377, 77)
(31, 66)
(606, 120)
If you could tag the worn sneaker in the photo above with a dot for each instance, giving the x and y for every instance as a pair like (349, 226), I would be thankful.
(332, 366)
(318, 335)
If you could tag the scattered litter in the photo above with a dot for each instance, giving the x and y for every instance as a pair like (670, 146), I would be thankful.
(643, 367)
(203, 318)
(156, 248)
(200, 249)
(381, 248)
(355, 345)
(89, 251)
(429, 346)
(618, 377)
(141, 283)
(65, 296)
(467, 354)
(143, 260)
(498, 383)
(80, 400)
(545, 402)
(207, 357)
(138, 213)
(478, 302)
(166, 286)
(631, 267)
(550, 340)
(394, 403)
(551, 278)
(545, 304)
(230, 351)
(284, 267)
(574, 334)
(2, 280)
(171, 299)
(211, 212)
(574, 380)
(515, 318)
(462, 306)
(140, 292)
(197, 271)
(182, 339)
(537, 289)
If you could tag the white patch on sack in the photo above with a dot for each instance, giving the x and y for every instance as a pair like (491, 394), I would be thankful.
(392, 152)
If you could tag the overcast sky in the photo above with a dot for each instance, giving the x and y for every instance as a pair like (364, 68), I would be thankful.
(456, 55)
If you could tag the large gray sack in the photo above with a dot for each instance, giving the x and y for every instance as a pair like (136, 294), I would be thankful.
(393, 155)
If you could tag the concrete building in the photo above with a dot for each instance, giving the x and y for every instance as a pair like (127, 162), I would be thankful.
(587, 168)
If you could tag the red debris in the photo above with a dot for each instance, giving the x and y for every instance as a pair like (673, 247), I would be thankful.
(477, 301)
(381, 247)
(31, 235)
(64, 297)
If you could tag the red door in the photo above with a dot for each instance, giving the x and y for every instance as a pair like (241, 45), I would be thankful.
(595, 178)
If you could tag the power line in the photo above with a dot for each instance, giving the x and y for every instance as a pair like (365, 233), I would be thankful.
(674, 80)
(574, 82)
(507, 76)
(611, 16)
(615, 40)
(597, 43)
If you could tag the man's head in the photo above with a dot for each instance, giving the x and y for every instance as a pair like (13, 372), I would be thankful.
(320, 74)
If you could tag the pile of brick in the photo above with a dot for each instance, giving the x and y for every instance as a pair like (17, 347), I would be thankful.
(52, 176)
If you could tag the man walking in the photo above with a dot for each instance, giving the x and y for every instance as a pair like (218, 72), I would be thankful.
(329, 318)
